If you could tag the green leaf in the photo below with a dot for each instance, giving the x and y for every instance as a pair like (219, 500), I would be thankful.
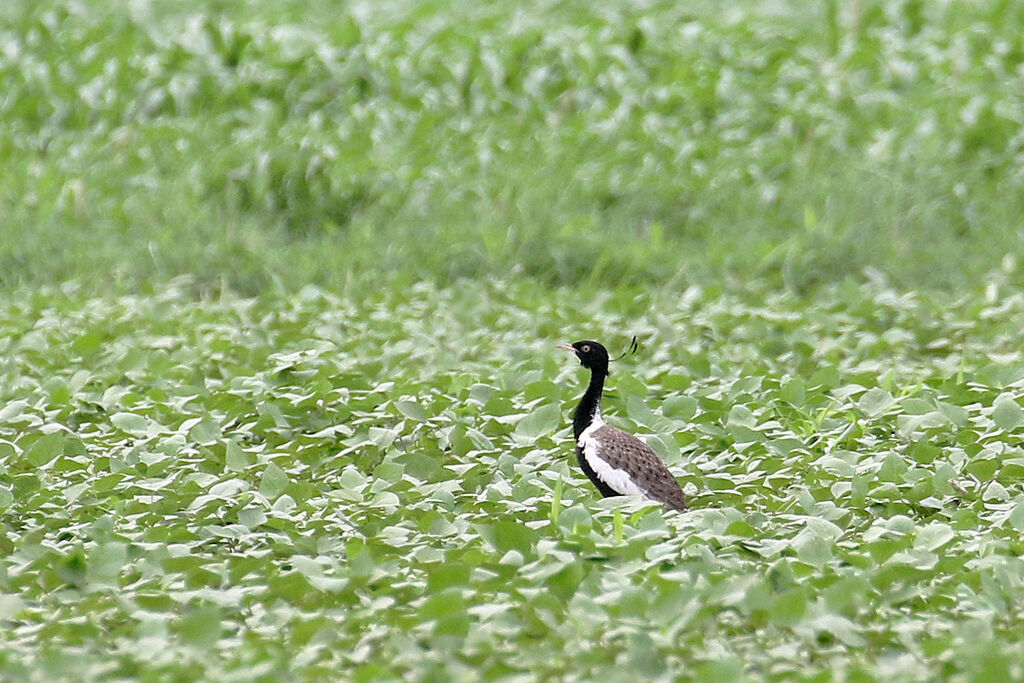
(679, 407)
(542, 421)
(201, 626)
(724, 670)
(251, 518)
(205, 432)
(507, 535)
(11, 606)
(741, 416)
(133, 424)
(105, 562)
(12, 410)
(412, 410)
(87, 344)
(893, 468)
(812, 547)
(848, 594)
(934, 536)
(234, 458)
(45, 449)
(1006, 413)
(273, 482)
(789, 607)
(995, 491)
(446, 576)
(443, 604)
(875, 401)
(638, 410)
(793, 391)
(1016, 517)
(742, 435)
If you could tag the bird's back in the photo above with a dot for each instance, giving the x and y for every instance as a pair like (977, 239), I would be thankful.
(626, 465)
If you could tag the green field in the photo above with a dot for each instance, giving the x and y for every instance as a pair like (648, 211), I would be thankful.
(280, 284)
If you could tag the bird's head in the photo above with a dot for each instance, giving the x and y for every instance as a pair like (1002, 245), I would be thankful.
(591, 354)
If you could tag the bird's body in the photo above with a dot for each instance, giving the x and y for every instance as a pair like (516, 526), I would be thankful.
(618, 463)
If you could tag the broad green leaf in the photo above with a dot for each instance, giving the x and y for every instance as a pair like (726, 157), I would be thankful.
(793, 391)
(995, 491)
(741, 416)
(87, 344)
(789, 607)
(205, 431)
(201, 626)
(893, 468)
(1006, 413)
(234, 458)
(679, 407)
(448, 575)
(724, 670)
(251, 518)
(934, 536)
(12, 410)
(105, 562)
(1016, 517)
(813, 547)
(507, 535)
(412, 410)
(875, 401)
(45, 449)
(542, 421)
(273, 482)
(136, 425)
(11, 606)
(638, 410)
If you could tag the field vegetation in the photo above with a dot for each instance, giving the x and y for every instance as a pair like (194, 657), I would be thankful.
(253, 143)
(279, 289)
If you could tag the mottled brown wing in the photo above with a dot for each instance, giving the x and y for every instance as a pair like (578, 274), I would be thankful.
(626, 452)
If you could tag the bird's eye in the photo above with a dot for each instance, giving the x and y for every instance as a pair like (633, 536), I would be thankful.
(585, 348)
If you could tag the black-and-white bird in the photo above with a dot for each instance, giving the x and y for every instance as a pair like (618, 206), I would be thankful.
(618, 463)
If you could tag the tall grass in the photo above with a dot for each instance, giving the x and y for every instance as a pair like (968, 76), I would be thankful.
(250, 143)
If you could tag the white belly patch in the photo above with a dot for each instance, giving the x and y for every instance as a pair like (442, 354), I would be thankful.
(618, 480)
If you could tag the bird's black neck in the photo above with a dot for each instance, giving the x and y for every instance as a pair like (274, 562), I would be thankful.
(590, 404)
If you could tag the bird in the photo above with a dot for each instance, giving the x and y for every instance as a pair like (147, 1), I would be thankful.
(618, 463)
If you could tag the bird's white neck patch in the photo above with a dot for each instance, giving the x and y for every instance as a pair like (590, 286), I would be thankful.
(595, 424)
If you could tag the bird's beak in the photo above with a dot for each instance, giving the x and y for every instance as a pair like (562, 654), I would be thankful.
(565, 347)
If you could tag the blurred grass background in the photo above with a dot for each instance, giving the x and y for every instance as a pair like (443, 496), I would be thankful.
(257, 144)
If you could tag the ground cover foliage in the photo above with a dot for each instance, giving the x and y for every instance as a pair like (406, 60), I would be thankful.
(294, 141)
(370, 481)
(373, 488)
